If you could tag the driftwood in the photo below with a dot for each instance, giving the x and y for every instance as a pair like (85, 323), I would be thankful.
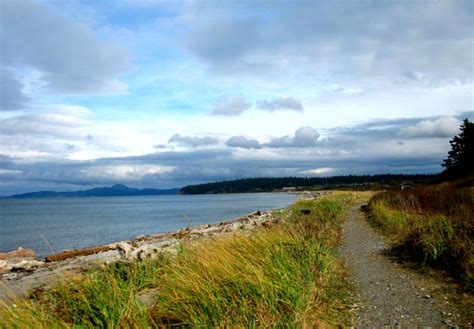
(74, 253)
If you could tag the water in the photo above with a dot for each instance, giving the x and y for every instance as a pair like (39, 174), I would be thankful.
(51, 225)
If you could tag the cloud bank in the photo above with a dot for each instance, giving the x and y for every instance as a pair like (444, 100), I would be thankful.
(375, 148)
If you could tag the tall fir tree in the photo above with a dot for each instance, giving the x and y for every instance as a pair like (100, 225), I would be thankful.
(460, 161)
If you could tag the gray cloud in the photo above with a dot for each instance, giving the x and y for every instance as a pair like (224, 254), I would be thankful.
(231, 105)
(409, 128)
(45, 124)
(282, 38)
(304, 137)
(192, 141)
(69, 56)
(55, 134)
(282, 103)
(243, 142)
(415, 76)
(11, 95)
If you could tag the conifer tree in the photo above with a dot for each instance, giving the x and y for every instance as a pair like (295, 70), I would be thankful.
(460, 161)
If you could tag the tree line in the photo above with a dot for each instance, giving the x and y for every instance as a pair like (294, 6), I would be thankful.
(269, 184)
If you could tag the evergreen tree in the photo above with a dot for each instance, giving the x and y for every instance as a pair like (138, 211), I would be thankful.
(460, 161)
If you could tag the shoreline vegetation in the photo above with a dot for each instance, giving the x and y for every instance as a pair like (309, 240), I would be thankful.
(430, 225)
(285, 272)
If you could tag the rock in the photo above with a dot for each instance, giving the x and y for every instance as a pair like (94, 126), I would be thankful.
(25, 265)
(152, 250)
(450, 324)
(19, 260)
(19, 265)
(107, 257)
(19, 254)
(3, 266)
(305, 211)
(148, 298)
(208, 230)
(125, 247)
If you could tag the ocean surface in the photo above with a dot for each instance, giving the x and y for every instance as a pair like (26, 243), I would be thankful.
(51, 225)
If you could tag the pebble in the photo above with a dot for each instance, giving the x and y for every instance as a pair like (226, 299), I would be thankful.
(450, 324)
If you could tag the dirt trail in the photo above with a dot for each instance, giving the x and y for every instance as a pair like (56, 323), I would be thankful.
(385, 293)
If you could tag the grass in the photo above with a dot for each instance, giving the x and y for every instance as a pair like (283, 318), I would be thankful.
(286, 275)
(433, 225)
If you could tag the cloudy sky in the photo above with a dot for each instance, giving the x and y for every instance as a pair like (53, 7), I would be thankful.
(165, 94)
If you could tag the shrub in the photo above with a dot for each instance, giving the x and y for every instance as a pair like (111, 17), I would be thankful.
(432, 224)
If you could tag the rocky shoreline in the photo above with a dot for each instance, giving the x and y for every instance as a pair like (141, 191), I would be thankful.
(21, 272)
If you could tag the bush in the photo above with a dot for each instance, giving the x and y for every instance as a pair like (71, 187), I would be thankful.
(432, 224)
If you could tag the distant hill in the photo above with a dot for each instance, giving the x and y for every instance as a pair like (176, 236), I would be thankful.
(271, 184)
(116, 190)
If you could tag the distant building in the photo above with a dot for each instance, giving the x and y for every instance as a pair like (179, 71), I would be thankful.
(407, 186)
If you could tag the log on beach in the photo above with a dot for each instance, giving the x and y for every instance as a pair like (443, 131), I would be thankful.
(75, 253)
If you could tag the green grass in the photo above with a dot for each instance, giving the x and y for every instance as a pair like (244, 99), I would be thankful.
(433, 225)
(287, 275)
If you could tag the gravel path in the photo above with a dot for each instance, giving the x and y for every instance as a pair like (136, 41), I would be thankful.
(385, 294)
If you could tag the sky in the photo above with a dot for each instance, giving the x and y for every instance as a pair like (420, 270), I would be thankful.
(164, 94)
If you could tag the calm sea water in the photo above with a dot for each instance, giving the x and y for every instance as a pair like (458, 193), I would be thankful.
(52, 225)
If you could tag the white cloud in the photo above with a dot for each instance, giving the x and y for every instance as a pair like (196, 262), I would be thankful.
(441, 127)
(131, 172)
(319, 171)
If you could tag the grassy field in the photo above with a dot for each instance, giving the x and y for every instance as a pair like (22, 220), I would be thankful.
(286, 275)
(433, 225)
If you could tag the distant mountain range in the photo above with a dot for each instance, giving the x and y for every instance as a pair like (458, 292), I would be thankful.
(116, 190)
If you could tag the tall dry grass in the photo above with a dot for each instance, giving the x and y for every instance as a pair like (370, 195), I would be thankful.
(432, 224)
